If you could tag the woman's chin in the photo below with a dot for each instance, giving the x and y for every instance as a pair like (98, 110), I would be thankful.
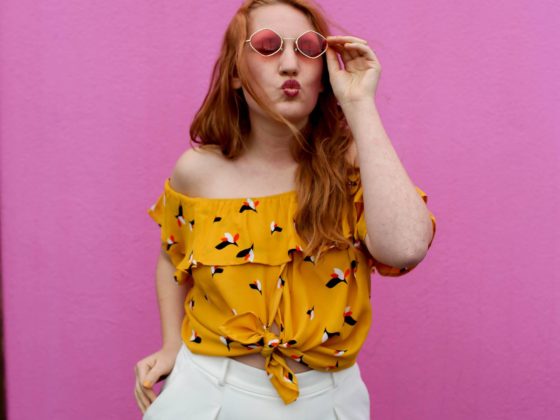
(293, 115)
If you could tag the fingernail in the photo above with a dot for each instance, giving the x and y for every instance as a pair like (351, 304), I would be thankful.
(147, 384)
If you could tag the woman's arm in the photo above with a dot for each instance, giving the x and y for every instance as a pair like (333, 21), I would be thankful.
(397, 219)
(171, 300)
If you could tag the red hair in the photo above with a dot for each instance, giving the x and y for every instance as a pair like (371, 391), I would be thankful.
(320, 149)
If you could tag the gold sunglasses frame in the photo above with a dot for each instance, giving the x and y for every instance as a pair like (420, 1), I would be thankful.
(296, 48)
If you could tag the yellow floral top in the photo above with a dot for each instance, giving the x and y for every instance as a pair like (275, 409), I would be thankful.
(245, 258)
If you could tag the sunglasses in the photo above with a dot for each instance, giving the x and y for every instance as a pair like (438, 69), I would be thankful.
(267, 42)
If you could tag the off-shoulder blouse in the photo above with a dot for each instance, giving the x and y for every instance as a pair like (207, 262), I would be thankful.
(245, 258)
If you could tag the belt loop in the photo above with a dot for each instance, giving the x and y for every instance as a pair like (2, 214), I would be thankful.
(334, 379)
(223, 374)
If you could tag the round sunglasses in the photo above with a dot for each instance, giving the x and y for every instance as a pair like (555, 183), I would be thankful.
(266, 42)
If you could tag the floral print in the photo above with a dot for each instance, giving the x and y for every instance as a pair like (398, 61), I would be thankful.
(245, 258)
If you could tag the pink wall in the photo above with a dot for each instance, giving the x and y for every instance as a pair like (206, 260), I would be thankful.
(95, 107)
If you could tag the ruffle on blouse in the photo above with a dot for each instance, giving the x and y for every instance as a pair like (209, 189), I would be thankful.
(214, 231)
(194, 230)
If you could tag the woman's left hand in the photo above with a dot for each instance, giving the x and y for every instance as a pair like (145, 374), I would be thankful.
(357, 80)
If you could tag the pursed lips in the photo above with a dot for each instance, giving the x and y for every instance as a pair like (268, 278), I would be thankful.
(291, 88)
(291, 84)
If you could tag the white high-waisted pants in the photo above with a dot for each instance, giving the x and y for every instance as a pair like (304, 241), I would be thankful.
(204, 387)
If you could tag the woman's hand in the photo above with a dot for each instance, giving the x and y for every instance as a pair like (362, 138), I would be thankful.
(150, 370)
(357, 80)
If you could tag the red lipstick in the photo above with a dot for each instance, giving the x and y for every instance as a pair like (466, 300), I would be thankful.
(291, 87)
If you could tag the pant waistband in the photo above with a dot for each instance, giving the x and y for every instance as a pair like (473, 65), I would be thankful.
(224, 370)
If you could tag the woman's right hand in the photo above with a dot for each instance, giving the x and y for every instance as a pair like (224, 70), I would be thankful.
(150, 370)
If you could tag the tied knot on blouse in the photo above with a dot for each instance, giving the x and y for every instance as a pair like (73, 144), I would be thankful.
(247, 328)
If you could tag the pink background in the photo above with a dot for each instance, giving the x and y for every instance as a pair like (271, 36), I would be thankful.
(96, 102)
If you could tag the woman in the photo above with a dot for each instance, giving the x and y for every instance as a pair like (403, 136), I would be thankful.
(270, 302)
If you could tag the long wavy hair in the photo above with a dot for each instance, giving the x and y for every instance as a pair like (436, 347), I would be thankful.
(319, 149)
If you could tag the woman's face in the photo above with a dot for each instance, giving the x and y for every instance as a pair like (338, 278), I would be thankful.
(271, 72)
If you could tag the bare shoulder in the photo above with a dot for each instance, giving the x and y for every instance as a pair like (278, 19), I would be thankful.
(193, 168)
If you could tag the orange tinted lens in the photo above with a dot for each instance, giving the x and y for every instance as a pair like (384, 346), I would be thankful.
(266, 42)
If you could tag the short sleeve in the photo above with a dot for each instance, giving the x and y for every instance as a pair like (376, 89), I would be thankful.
(360, 231)
(172, 216)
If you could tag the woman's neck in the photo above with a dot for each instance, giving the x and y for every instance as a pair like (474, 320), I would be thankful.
(269, 144)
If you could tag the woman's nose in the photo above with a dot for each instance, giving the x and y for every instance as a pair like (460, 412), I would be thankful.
(289, 60)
